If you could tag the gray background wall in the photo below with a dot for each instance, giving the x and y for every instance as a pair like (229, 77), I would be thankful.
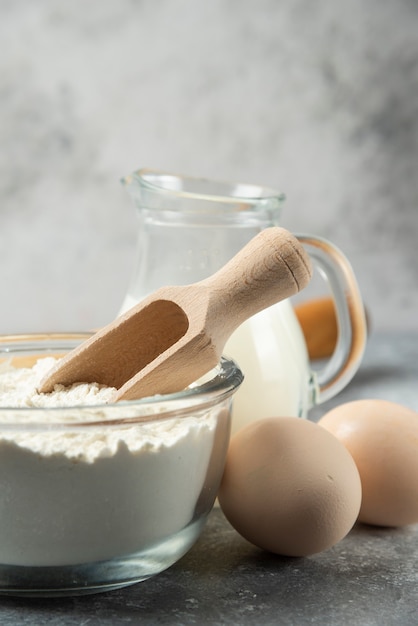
(316, 98)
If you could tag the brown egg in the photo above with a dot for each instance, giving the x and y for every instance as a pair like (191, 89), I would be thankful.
(289, 486)
(318, 320)
(382, 438)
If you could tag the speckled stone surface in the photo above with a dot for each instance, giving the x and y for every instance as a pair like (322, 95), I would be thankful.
(315, 99)
(368, 579)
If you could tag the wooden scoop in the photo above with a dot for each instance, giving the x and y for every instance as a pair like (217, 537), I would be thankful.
(177, 334)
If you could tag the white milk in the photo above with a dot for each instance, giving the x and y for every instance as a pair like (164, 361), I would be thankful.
(270, 350)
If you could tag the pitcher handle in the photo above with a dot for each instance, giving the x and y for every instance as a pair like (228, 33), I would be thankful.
(334, 267)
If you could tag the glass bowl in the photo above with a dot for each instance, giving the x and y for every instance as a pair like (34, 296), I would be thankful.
(97, 497)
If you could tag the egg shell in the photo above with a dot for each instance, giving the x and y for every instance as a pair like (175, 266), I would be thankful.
(382, 438)
(318, 321)
(289, 486)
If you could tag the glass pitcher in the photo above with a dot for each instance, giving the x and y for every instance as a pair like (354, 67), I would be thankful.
(188, 229)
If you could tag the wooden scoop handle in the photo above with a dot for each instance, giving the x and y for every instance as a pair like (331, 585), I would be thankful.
(271, 267)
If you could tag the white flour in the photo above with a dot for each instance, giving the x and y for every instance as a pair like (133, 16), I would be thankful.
(86, 494)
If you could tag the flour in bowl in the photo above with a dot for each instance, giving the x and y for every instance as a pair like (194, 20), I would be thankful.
(18, 388)
(73, 493)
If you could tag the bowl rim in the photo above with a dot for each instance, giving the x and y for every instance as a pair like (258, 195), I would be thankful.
(219, 387)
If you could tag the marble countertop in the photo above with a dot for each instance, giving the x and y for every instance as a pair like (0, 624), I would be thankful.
(370, 578)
